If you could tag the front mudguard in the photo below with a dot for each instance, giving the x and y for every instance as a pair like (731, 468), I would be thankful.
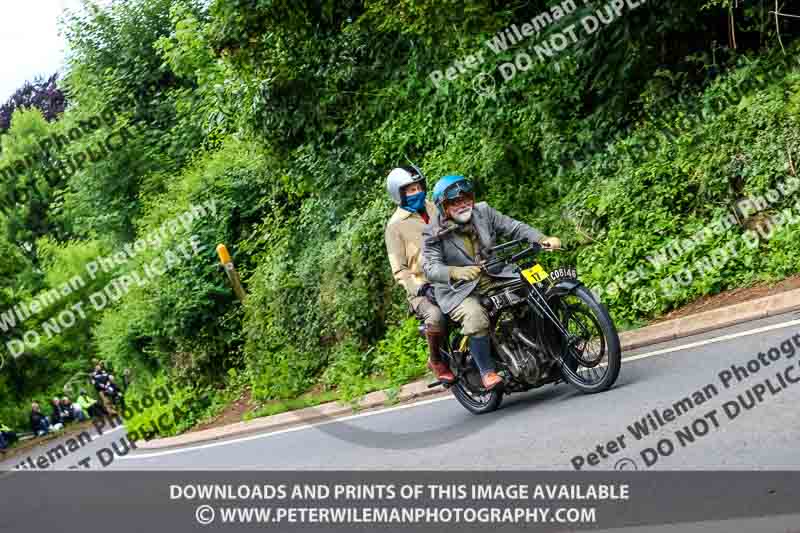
(566, 286)
(562, 287)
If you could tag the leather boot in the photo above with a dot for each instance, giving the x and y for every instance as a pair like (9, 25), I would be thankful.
(435, 362)
(491, 380)
(481, 350)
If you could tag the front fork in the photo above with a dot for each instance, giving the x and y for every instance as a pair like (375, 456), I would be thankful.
(537, 301)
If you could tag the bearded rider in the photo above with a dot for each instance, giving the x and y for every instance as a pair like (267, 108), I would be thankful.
(451, 261)
(407, 188)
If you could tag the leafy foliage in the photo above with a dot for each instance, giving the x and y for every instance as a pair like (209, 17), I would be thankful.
(290, 114)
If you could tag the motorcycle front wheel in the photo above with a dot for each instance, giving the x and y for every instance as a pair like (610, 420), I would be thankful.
(593, 358)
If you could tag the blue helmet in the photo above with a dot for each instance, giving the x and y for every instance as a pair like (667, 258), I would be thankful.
(449, 188)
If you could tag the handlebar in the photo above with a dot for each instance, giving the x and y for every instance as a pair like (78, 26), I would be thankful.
(531, 250)
(515, 242)
(508, 244)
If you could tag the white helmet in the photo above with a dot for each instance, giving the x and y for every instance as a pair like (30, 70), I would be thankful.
(399, 178)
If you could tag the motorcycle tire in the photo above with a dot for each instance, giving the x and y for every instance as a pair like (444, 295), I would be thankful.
(611, 346)
(466, 398)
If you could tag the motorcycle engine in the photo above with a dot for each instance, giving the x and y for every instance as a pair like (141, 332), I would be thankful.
(519, 353)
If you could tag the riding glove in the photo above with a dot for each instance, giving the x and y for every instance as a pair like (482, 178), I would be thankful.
(467, 273)
(552, 243)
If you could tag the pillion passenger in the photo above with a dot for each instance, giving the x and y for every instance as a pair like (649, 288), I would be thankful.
(407, 189)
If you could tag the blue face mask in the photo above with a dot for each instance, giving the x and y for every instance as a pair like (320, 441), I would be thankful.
(415, 202)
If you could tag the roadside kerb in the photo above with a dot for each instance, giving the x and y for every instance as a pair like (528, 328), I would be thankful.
(706, 321)
(669, 330)
(326, 411)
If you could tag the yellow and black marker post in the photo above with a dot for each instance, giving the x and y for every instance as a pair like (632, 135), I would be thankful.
(230, 270)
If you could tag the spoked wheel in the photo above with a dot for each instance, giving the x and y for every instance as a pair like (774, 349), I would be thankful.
(467, 391)
(592, 357)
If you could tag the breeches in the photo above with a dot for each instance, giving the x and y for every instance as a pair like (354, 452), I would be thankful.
(429, 313)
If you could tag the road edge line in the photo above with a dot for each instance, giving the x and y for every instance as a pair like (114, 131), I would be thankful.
(679, 328)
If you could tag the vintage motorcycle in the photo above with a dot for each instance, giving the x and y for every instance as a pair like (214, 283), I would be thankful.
(545, 328)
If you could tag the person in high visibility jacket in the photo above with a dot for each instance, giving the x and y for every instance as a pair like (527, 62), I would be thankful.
(7, 436)
(89, 405)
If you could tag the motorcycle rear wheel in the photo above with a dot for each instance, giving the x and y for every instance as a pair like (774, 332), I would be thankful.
(465, 388)
(477, 404)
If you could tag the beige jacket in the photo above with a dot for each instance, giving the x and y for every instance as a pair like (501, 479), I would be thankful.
(404, 246)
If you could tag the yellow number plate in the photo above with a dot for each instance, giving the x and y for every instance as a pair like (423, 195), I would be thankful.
(535, 274)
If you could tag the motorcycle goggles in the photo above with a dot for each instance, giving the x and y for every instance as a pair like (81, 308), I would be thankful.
(463, 187)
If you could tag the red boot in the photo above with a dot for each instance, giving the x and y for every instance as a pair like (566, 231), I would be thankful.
(441, 371)
(435, 362)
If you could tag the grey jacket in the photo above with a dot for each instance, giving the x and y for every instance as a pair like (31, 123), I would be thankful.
(450, 250)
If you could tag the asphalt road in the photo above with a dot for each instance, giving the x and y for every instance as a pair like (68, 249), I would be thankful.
(548, 428)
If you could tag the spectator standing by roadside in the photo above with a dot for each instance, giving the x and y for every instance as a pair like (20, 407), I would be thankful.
(114, 392)
(100, 380)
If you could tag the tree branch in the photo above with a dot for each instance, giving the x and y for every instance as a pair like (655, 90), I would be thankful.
(778, 25)
(785, 15)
